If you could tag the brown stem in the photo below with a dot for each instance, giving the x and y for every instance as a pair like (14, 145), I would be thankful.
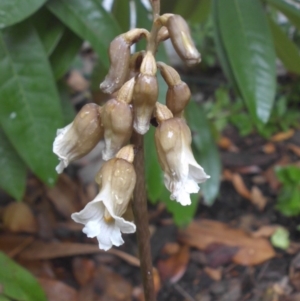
(140, 212)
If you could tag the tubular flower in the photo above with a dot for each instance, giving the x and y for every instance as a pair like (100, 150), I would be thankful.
(173, 145)
(145, 94)
(103, 217)
(117, 119)
(79, 137)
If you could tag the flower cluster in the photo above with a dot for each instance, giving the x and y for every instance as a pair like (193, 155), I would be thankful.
(132, 82)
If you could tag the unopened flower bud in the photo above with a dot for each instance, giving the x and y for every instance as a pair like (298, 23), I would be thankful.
(178, 94)
(78, 138)
(145, 94)
(181, 38)
(162, 113)
(117, 118)
(104, 216)
(163, 34)
(181, 171)
(119, 57)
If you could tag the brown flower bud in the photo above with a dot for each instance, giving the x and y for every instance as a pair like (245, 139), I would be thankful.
(145, 94)
(80, 137)
(117, 122)
(181, 39)
(119, 57)
(162, 113)
(163, 34)
(178, 94)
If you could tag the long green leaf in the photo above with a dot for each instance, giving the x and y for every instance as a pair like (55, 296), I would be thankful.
(14, 11)
(30, 111)
(286, 50)
(121, 12)
(292, 12)
(12, 169)
(205, 151)
(49, 29)
(248, 43)
(64, 53)
(154, 177)
(201, 13)
(221, 52)
(88, 20)
(17, 283)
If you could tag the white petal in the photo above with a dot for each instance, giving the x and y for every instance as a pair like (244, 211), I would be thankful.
(125, 226)
(92, 228)
(182, 197)
(62, 165)
(110, 235)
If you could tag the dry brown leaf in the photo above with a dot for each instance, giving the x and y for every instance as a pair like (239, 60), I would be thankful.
(227, 175)
(83, 270)
(64, 196)
(269, 148)
(171, 248)
(17, 217)
(174, 267)
(283, 136)
(252, 251)
(240, 186)
(257, 198)
(265, 231)
(294, 148)
(39, 268)
(58, 291)
(214, 274)
(226, 144)
(252, 169)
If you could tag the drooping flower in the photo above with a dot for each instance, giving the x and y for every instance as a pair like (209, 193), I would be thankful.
(173, 145)
(79, 137)
(104, 216)
(117, 120)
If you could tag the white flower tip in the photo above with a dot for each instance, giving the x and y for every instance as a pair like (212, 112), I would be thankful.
(107, 154)
(61, 166)
(141, 127)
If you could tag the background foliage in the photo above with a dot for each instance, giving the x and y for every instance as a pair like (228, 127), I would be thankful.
(39, 40)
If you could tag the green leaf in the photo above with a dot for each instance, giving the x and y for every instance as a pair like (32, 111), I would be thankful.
(3, 298)
(121, 12)
(49, 29)
(248, 43)
(168, 6)
(220, 49)
(17, 283)
(88, 20)
(286, 50)
(154, 177)
(292, 12)
(14, 11)
(66, 104)
(205, 151)
(185, 8)
(30, 111)
(201, 13)
(182, 215)
(65, 52)
(13, 169)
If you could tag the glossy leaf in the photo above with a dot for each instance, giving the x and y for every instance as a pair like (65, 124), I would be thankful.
(49, 29)
(201, 13)
(185, 8)
(291, 11)
(248, 43)
(88, 20)
(17, 283)
(182, 215)
(30, 111)
(205, 151)
(14, 11)
(65, 52)
(220, 49)
(3, 298)
(121, 12)
(66, 104)
(286, 50)
(13, 169)
(154, 176)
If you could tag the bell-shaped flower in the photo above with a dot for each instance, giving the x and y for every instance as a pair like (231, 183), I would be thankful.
(79, 137)
(173, 145)
(104, 216)
(117, 119)
(145, 94)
